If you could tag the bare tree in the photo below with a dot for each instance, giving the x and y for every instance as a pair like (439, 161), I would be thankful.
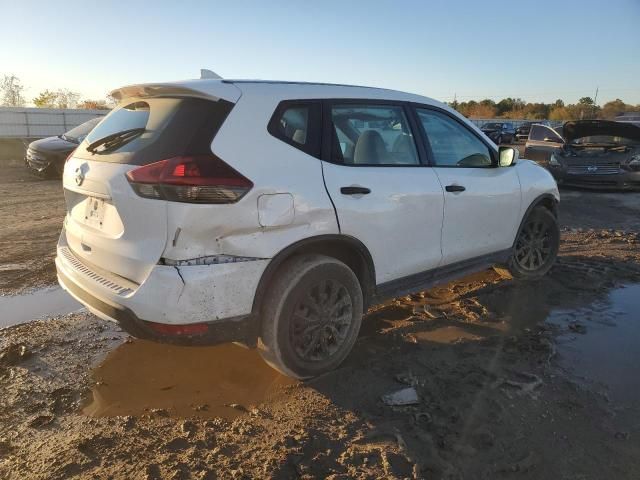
(11, 91)
(66, 98)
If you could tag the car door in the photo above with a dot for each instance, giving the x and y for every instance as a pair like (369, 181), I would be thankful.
(482, 201)
(542, 142)
(383, 195)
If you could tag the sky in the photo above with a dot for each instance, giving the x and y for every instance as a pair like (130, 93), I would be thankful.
(538, 50)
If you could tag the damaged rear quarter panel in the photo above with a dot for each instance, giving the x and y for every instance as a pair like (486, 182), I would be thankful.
(214, 292)
(274, 167)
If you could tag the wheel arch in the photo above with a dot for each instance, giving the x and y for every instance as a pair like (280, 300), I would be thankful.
(345, 248)
(546, 200)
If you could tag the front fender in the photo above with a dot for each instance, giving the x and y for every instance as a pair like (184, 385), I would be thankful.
(538, 187)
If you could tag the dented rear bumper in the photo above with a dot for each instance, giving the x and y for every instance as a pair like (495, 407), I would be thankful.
(220, 296)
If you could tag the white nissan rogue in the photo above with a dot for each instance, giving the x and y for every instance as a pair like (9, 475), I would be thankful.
(274, 214)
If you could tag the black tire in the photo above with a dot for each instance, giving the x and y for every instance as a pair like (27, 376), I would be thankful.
(499, 140)
(311, 316)
(536, 246)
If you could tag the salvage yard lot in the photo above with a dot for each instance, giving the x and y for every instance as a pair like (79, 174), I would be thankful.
(514, 380)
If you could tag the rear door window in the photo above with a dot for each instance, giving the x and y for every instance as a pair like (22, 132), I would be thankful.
(372, 135)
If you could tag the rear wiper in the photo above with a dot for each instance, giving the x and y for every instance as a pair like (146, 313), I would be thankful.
(114, 140)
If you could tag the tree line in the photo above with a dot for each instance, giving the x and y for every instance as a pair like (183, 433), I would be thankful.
(12, 95)
(516, 108)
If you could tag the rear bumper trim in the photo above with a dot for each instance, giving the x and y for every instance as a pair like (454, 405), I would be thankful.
(242, 330)
(118, 287)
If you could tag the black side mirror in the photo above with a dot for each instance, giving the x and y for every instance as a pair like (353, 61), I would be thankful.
(507, 156)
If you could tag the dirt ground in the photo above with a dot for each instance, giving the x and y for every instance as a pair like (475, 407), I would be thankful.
(495, 399)
(31, 213)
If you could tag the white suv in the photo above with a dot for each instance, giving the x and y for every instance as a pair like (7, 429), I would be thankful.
(275, 213)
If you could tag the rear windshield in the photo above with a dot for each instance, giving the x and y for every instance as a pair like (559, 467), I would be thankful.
(163, 128)
(133, 115)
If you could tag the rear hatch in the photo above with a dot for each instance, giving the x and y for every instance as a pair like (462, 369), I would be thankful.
(109, 224)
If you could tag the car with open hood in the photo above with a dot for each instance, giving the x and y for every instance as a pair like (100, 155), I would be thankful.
(589, 153)
(45, 157)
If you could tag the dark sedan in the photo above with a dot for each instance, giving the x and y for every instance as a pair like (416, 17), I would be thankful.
(46, 157)
(589, 153)
(499, 132)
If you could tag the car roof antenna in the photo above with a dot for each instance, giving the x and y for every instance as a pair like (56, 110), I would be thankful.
(208, 74)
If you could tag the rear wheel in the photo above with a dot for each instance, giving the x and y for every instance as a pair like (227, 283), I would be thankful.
(311, 316)
(536, 246)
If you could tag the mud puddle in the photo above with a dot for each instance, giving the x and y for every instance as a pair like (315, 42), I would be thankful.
(142, 377)
(600, 344)
(43, 303)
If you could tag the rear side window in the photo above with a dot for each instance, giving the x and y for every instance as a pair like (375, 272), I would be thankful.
(372, 135)
(298, 124)
(162, 128)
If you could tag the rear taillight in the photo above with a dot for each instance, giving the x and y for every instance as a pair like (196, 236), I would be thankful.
(202, 179)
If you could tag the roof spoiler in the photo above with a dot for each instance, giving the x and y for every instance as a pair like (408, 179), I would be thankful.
(209, 88)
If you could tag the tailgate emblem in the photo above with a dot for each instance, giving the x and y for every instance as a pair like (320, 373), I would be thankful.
(79, 177)
(592, 169)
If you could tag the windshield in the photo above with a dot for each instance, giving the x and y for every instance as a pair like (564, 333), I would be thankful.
(492, 125)
(77, 134)
(605, 140)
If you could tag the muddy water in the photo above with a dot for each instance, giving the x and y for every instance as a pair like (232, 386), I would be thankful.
(145, 377)
(602, 344)
(43, 303)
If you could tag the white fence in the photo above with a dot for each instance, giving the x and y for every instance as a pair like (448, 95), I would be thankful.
(42, 122)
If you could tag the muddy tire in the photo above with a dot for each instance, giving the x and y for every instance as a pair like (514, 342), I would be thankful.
(311, 316)
(536, 246)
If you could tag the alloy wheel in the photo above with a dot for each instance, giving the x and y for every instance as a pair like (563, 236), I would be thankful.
(534, 246)
(321, 321)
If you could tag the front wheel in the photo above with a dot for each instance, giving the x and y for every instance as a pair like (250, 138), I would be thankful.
(536, 246)
(311, 316)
